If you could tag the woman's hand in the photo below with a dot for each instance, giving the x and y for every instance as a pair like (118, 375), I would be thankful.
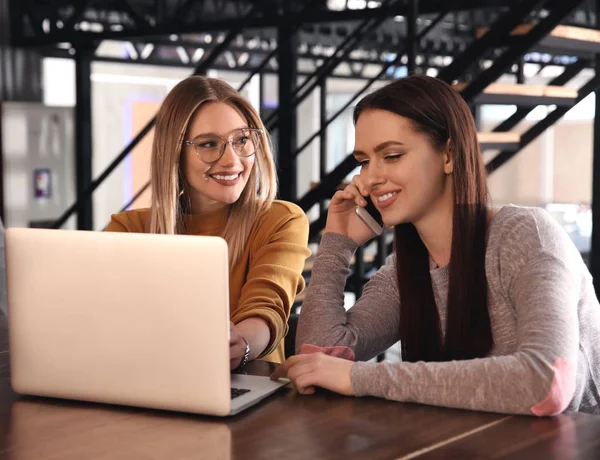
(317, 370)
(237, 346)
(341, 216)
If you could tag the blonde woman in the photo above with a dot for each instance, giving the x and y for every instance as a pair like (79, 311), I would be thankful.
(212, 173)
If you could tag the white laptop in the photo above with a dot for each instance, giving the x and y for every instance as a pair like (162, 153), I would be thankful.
(123, 318)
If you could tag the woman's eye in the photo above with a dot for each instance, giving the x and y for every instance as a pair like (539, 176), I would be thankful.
(363, 163)
(208, 145)
(242, 140)
(394, 156)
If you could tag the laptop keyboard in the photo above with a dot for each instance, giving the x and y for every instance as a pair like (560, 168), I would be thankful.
(235, 392)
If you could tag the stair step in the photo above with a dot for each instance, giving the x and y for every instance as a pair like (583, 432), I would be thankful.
(505, 141)
(524, 95)
(577, 39)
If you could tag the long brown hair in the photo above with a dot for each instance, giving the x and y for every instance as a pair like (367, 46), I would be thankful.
(169, 205)
(439, 111)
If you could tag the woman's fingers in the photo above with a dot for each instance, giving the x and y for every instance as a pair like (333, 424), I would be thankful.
(283, 368)
(354, 194)
(360, 186)
(300, 370)
(342, 195)
(302, 376)
(344, 199)
(305, 384)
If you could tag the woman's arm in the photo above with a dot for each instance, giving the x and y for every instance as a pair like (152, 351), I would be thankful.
(539, 378)
(370, 326)
(274, 279)
(253, 331)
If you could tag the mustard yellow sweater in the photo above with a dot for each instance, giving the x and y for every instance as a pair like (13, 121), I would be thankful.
(268, 276)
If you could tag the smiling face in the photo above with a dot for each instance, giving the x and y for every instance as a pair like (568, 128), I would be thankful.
(212, 186)
(407, 175)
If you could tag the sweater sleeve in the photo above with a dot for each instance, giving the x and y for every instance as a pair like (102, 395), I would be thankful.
(370, 326)
(274, 276)
(539, 377)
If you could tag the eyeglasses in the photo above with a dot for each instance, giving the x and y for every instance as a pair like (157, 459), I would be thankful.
(210, 148)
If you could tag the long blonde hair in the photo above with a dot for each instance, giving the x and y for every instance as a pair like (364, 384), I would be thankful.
(167, 211)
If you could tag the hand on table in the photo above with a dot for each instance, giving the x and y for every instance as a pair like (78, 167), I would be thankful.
(317, 370)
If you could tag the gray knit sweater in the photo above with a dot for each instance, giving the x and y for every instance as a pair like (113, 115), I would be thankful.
(544, 314)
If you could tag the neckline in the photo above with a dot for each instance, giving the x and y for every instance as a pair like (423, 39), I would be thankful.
(211, 222)
(434, 269)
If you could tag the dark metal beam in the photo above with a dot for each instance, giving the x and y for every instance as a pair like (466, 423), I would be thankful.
(83, 135)
(250, 69)
(522, 100)
(261, 94)
(512, 146)
(287, 56)
(521, 71)
(204, 23)
(323, 141)
(160, 57)
(411, 35)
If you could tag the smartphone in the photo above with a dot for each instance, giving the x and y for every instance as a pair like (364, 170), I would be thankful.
(370, 216)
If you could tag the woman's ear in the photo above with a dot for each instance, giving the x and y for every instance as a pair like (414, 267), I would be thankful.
(448, 164)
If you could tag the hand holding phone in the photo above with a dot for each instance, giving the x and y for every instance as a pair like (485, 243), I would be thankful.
(370, 216)
(348, 216)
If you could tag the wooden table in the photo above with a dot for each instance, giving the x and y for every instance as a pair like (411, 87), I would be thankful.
(285, 426)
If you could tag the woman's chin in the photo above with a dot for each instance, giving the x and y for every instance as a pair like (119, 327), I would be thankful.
(392, 221)
(228, 198)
